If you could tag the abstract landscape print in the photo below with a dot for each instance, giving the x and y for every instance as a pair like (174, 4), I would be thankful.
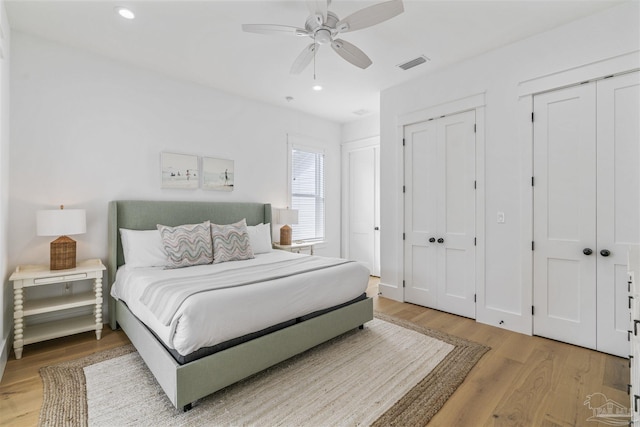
(217, 174)
(179, 171)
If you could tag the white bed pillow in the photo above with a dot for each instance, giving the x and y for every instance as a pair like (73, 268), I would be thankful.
(260, 236)
(143, 248)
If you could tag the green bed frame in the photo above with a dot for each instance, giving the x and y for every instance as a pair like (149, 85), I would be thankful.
(184, 384)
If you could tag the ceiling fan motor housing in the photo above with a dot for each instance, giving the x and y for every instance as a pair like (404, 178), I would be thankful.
(322, 32)
(332, 20)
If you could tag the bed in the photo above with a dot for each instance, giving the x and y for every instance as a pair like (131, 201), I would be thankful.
(185, 381)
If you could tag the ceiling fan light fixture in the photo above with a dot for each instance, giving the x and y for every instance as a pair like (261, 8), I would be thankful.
(125, 13)
(323, 36)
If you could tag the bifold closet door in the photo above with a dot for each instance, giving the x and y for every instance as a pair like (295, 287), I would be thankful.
(586, 210)
(440, 213)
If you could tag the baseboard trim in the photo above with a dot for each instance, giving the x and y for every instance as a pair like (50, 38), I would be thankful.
(391, 292)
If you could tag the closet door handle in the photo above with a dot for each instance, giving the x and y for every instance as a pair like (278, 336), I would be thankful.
(441, 240)
(376, 228)
(587, 251)
(432, 239)
(605, 252)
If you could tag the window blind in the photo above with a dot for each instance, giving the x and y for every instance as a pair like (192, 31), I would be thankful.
(307, 194)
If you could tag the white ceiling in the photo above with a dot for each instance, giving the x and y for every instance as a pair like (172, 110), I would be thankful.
(202, 41)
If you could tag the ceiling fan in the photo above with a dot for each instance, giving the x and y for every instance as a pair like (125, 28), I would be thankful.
(323, 26)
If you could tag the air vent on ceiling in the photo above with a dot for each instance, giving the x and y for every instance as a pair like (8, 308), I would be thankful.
(413, 63)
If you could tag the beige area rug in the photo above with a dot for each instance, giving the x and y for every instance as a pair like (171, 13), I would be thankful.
(390, 373)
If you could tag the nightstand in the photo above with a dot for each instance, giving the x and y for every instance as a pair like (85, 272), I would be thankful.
(296, 247)
(28, 276)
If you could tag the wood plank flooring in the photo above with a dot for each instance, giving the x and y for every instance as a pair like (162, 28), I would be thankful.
(522, 381)
(21, 387)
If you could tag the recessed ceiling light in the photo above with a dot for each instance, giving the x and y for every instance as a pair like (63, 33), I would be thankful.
(317, 88)
(125, 13)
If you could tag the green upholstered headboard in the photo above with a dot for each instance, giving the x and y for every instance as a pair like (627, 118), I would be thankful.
(145, 215)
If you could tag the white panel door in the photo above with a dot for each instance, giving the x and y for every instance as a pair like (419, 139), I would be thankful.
(456, 214)
(586, 210)
(423, 180)
(376, 209)
(440, 214)
(362, 202)
(618, 210)
(564, 259)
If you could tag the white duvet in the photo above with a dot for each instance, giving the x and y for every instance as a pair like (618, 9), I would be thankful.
(209, 318)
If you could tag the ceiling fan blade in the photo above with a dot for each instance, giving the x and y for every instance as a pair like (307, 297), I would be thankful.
(371, 15)
(273, 29)
(319, 9)
(304, 58)
(351, 53)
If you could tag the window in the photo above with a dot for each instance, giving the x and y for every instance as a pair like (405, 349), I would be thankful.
(307, 193)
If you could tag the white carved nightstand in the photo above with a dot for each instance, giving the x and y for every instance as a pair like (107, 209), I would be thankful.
(27, 276)
(297, 247)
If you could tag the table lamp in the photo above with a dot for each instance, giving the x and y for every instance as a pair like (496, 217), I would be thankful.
(286, 217)
(62, 222)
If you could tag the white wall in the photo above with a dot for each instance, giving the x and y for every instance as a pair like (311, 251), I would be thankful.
(5, 295)
(87, 130)
(366, 127)
(507, 292)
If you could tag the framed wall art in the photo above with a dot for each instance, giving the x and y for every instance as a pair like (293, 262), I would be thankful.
(217, 174)
(179, 171)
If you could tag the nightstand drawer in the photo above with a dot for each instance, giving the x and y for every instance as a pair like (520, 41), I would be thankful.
(58, 279)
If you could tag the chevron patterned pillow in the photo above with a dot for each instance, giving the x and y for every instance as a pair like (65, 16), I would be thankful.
(187, 245)
(231, 242)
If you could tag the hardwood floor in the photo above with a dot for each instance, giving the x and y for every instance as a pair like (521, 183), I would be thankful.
(521, 381)
(21, 387)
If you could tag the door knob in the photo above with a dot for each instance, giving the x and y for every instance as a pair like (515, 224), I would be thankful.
(605, 252)
(587, 251)
(441, 240)
(376, 228)
(432, 239)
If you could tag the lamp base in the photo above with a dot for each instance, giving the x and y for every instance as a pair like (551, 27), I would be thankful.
(62, 253)
(285, 235)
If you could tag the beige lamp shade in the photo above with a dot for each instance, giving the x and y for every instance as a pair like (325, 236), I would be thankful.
(61, 222)
(288, 216)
